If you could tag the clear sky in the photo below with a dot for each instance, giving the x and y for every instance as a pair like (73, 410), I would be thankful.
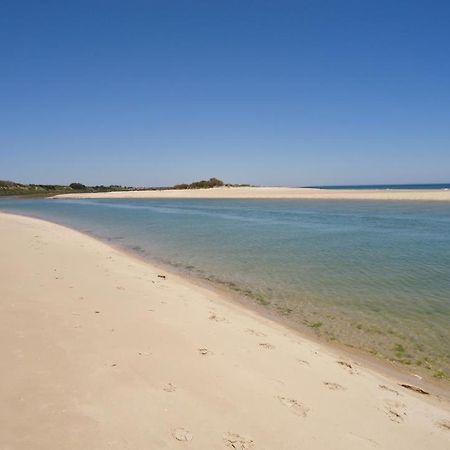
(265, 92)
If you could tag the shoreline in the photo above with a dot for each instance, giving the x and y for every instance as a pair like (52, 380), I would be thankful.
(378, 364)
(440, 195)
(421, 378)
(93, 262)
(381, 365)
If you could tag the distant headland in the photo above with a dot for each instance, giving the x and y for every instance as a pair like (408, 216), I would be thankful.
(216, 188)
(10, 188)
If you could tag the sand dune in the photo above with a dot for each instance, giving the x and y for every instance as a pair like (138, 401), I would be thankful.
(101, 352)
(278, 192)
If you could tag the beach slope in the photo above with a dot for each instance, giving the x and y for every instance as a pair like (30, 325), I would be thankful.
(103, 351)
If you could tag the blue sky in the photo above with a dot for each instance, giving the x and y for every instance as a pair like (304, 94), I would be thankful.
(264, 92)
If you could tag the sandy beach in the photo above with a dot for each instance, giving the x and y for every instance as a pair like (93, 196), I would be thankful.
(277, 193)
(101, 350)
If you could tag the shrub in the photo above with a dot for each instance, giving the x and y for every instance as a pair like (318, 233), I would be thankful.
(77, 186)
(202, 184)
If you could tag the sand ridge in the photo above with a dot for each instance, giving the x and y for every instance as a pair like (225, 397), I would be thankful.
(103, 351)
(277, 193)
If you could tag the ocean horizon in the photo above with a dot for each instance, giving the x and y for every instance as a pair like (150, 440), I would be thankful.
(411, 186)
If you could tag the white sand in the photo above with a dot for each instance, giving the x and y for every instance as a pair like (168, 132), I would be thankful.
(98, 352)
(278, 192)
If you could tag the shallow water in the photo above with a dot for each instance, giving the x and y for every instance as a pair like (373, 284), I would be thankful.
(373, 275)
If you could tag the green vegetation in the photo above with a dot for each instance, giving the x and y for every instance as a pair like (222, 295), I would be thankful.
(316, 325)
(43, 190)
(8, 188)
(206, 184)
(77, 186)
(203, 184)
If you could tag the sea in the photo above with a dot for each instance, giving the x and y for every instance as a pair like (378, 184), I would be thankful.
(370, 275)
(432, 186)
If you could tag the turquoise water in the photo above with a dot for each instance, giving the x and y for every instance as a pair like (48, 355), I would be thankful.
(373, 275)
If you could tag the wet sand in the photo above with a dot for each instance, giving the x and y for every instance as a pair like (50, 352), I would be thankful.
(102, 350)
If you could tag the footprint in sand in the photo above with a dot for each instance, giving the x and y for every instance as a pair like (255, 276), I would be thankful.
(303, 362)
(255, 333)
(396, 411)
(181, 434)
(234, 440)
(444, 424)
(294, 406)
(169, 387)
(382, 386)
(216, 318)
(266, 345)
(366, 442)
(333, 386)
(111, 364)
(348, 366)
(120, 288)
